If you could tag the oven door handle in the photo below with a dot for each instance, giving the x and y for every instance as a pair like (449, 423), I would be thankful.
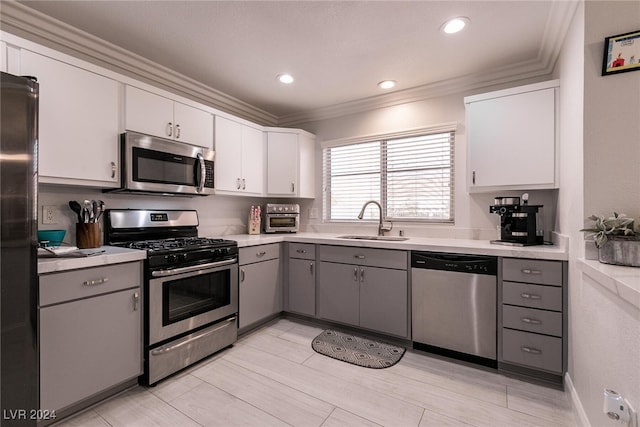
(166, 349)
(173, 271)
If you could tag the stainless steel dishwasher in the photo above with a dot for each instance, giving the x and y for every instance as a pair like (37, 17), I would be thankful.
(454, 305)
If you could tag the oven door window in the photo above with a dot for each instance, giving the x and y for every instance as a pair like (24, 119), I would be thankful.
(165, 168)
(282, 222)
(193, 295)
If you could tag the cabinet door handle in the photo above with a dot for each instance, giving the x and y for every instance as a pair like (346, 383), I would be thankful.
(96, 282)
(113, 169)
(355, 274)
(136, 300)
(237, 183)
(311, 268)
(530, 350)
(531, 321)
(244, 184)
(260, 254)
(529, 271)
(177, 131)
(242, 275)
(473, 177)
(530, 296)
(359, 256)
(293, 187)
(362, 275)
(169, 129)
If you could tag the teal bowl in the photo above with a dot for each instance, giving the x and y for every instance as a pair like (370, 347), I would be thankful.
(51, 237)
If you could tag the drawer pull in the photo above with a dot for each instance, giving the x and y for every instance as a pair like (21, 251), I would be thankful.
(531, 321)
(531, 350)
(95, 282)
(261, 254)
(301, 251)
(359, 256)
(529, 271)
(530, 296)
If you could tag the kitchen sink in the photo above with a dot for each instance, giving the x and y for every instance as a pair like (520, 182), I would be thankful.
(387, 238)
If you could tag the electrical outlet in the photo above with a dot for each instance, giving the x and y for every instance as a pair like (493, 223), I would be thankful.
(49, 215)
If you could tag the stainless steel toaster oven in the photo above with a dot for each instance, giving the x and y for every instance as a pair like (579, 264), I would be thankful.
(281, 218)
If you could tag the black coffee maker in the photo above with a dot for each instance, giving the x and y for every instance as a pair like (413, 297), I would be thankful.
(520, 224)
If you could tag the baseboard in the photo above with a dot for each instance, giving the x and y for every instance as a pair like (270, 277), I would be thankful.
(576, 405)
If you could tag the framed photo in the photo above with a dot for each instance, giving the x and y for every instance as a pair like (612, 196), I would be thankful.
(621, 53)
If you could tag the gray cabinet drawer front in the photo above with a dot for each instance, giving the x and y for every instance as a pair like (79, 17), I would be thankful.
(383, 258)
(76, 284)
(535, 296)
(259, 253)
(532, 350)
(302, 250)
(532, 271)
(532, 320)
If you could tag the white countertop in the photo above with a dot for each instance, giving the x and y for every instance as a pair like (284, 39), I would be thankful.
(622, 281)
(466, 246)
(111, 255)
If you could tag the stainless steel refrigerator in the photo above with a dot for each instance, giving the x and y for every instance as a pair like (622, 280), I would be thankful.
(19, 395)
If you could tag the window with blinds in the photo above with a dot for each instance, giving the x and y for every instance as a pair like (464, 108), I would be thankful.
(412, 178)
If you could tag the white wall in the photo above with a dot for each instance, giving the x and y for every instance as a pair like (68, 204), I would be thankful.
(600, 153)
(472, 217)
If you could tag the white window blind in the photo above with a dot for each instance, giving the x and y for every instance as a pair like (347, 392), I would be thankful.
(412, 178)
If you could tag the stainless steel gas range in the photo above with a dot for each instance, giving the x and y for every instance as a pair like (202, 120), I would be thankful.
(190, 287)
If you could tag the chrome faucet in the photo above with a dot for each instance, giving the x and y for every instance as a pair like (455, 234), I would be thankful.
(381, 228)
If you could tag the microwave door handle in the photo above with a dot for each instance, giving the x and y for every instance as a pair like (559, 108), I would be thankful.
(201, 177)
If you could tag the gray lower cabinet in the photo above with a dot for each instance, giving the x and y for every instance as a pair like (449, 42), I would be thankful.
(361, 294)
(533, 333)
(260, 293)
(90, 332)
(301, 289)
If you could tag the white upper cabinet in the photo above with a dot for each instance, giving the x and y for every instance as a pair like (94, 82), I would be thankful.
(239, 164)
(290, 163)
(512, 138)
(79, 115)
(152, 114)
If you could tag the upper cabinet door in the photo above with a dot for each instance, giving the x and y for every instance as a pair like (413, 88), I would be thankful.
(252, 160)
(228, 161)
(282, 164)
(148, 113)
(511, 139)
(193, 126)
(78, 122)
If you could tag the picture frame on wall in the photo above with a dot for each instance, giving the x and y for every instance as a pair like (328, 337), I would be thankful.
(621, 53)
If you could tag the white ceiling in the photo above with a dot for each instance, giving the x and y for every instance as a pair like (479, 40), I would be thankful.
(337, 50)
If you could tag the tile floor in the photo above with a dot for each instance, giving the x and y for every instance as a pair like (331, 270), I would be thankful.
(272, 377)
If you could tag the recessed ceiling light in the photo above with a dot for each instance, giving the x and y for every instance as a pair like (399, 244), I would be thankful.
(455, 25)
(285, 78)
(387, 84)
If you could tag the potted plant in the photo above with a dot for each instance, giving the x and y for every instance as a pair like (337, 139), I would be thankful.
(616, 239)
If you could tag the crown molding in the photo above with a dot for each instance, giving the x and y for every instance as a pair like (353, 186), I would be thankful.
(556, 29)
(40, 28)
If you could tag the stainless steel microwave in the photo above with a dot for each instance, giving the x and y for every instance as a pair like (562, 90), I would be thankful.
(156, 165)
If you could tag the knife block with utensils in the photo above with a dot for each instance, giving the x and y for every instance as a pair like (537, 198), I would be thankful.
(88, 235)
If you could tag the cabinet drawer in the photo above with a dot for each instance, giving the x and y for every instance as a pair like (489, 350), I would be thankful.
(532, 350)
(302, 250)
(76, 284)
(259, 253)
(535, 296)
(532, 320)
(532, 271)
(383, 258)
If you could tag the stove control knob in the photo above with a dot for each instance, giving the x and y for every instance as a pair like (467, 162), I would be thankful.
(183, 257)
(172, 258)
(216, 252)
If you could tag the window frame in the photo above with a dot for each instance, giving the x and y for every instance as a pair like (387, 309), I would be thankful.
(382, 139)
